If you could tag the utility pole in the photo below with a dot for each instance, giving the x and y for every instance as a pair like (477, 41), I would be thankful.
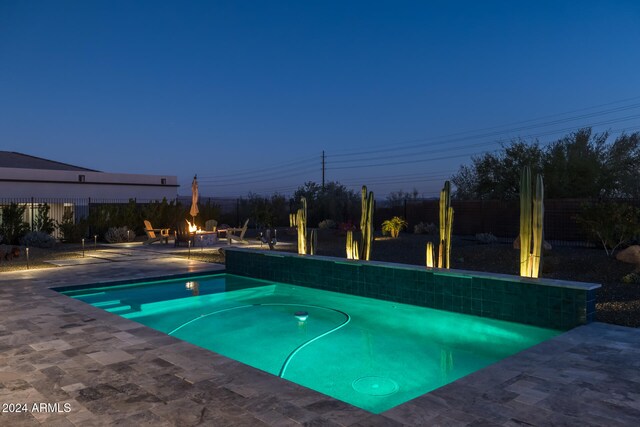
(323, 170)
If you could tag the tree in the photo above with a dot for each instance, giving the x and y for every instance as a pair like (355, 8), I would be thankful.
(334, 202)
(579, 165)
(397, 198)
(497, 176)
(42, 221)
(574, 166)
(12, 226)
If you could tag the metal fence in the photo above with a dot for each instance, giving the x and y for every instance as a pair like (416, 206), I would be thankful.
(500, 218)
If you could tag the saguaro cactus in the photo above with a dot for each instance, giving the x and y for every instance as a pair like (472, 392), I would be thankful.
(531, 224)
(352, 246)
(313, 241)
(292, 219)
(446, 224)
(363, 251)
(430, 254)
(301, 222)
(366, 223)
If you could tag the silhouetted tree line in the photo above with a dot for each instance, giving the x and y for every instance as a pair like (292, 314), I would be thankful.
(582, 164)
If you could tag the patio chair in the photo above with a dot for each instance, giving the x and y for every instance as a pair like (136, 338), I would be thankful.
(155, 234)
(182, 234)
(232, 237)
(211, 225)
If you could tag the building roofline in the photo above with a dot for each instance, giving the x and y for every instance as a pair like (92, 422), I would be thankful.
(73, 167)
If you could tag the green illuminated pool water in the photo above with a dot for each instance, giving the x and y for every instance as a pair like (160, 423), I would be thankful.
(370, 353)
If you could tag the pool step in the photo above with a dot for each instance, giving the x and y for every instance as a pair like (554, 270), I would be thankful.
(115, 306)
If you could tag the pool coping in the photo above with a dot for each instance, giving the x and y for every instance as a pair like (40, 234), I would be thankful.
(164, 381)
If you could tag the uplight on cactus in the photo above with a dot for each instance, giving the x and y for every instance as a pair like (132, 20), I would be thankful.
(363, 251)
(446, 225)
(531, 224)
(313, 241)
(301, 222)
(366, 223)
(430, 255)
(352, 246)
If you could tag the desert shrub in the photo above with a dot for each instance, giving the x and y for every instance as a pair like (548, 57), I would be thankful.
(612, 224)
(423, 228)
(327, 224)
(72, 232)
(631, 278)
(38, 239)
(119, 235)
(162, 214)
(41, 221)
(13, 227)
(393, 226)
(486, 238)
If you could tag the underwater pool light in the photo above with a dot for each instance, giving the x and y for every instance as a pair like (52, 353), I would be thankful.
(301, 315)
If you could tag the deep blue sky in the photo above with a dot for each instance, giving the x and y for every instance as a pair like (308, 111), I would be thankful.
(256, 90)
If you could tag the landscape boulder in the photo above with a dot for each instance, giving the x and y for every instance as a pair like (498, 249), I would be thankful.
(630, 255)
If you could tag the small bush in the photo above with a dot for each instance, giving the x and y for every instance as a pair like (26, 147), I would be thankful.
(486, 238)
(631, 278)
(72, 232)
(423, 228)
(119, 235)
(13, 227)
(613, 224)
(327, 224)
(393, 226)
(42, 222)
(38, 239)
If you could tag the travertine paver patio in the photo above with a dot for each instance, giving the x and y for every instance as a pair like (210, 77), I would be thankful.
(110, 370)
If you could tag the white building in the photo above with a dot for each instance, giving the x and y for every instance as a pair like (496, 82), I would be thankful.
(24, 176)
(31, 180)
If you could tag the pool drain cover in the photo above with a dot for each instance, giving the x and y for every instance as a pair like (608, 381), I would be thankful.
(375, 386)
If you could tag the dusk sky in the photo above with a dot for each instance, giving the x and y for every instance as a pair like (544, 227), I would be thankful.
(248, 94)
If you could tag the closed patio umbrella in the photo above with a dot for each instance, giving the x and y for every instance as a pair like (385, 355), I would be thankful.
(194, 199)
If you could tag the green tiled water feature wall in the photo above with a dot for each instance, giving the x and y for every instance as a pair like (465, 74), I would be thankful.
(541, 302)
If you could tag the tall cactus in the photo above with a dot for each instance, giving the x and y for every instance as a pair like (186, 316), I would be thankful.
(363, 251)
(366, 223)
(531, 224)
(352, 246)
(313, 241)
(430, 254)
(301, 222)
(446, 225)
(292, 219)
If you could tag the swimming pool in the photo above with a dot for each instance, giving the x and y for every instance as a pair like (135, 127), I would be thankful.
(370, 353)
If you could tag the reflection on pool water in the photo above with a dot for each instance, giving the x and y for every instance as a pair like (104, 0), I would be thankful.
(370, 353)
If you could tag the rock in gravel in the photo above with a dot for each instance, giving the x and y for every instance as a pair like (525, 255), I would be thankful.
(630, 255)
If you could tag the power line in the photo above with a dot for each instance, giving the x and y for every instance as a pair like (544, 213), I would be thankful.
(400, 144)
(467, 154)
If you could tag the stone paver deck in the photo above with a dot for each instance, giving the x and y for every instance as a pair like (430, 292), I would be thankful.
(111, 370)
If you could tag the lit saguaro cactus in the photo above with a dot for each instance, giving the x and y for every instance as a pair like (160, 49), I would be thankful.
(446, 224)
(363, 251)
(352, 246)
(366, 223)
(313, 241)
(292, 219)
(301, 222)
(430, 254)
(531, 224)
